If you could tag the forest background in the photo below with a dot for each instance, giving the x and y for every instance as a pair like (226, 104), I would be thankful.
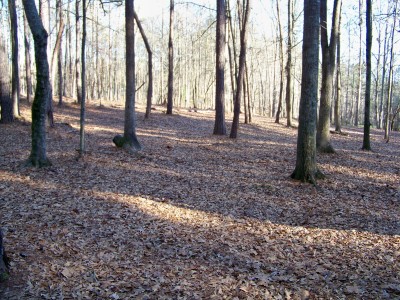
(194, 63)
(195, 215)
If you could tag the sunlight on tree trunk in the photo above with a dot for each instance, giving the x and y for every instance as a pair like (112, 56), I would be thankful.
(38, 156)
(306, 167)
(367, 123)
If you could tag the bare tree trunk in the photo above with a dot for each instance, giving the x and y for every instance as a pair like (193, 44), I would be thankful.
(366, 140)
(82, 146)
(289, 67)
(242, 61)
(56, 53)
(234, 73)
(129, 141)
(171, 59)
(28, 71)
(245, 99)
(78, 50)
(6, 104)
(281, 65)
(306, 165)
(390, 80)
(219, 124)
(45, 17)
(357, 113)
(59, 54)
(390, 85)
(150, 67)
(38, 156)
(338, 99)
(328, 67)
(247, 82)
(377, 78)
(15, 86)
(382, 94)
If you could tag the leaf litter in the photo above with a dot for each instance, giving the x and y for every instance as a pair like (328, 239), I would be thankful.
(196, 216)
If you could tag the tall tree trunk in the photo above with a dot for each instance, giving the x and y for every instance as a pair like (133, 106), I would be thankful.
(338, 99)
(382, 94)
(281, 65)
(56, 56)
(59, 54)
(45, 17)
(289, 68)
(150, 66)
(242, 61)
(358, 99)
(15, 87)
(28, 70)
(129, 141)
(367, 124)
(328, 68)
(377, 78)
(390, 80)
(245, 100)
(6, 103)
(234, 73)
(246, 81)
(38, 156)
(306, 166)
(82, 146)
(78, 50)
(171, 59)
(219, 125)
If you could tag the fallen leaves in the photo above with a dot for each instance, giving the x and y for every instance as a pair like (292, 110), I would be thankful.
(197, 216)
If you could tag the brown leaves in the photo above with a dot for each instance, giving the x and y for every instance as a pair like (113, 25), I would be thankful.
(198, 216)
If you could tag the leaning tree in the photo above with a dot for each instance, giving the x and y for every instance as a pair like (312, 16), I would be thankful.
(38, 156)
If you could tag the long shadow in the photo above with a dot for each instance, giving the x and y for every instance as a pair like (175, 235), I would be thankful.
(249, 178)
(84, 241)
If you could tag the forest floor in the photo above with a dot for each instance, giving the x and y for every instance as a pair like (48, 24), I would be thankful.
(196, 216)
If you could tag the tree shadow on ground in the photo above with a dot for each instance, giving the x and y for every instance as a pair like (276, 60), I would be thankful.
(96, 244)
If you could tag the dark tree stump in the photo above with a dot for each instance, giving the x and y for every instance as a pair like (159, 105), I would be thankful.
(4, 261)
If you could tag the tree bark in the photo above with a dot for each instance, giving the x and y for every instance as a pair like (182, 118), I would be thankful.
(28, 70)
(57, 57)
(338, 99)
(306, 167)
(367, 123)
(219, 125)
(15, 86)
(59, 54)
(129, 140)
(358, 99)
(382, 94)
(328, 68)
(6, 104)
(149, 64)
(289, 68)
(4, 262)
(171, 60)
(242, 61)
(390, 80)
(44, 7)
(78, 50)
(278, 112)
(82, 146)
(38, 156)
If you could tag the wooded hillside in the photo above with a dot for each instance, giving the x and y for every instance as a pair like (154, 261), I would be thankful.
(196, 216)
